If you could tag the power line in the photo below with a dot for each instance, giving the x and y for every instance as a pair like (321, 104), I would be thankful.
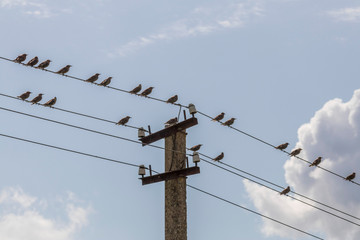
(69, 150)
(252, 211)
(73, 112)
(134, 165)
(271, 183)
(201, 113)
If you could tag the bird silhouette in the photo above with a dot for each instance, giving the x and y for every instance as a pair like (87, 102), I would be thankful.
(172, 121)
(173, 99)
(20, 58)
(316, 162)
(44, 64)
(25, 95)
(106, 82)
(93, 78)
(33, 62)
(64, 70)
(136, 90)
(36, 99)
(295, 152)
(285, 191)
(51, 102)
(350, 177)
(229, 122)
(282, 146)
(219, 117)
(218, 158)
(123, 121)
(147, 91)
(196, 147)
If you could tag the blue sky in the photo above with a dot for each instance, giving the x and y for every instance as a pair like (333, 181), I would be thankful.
(274, 65)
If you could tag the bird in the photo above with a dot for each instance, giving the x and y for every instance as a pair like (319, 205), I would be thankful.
(136, 90)
(172, 121)
(295, 152)
(44, 64)
(218, 158)
(285, 191)
(282, 146)
(219, 117)
(173, 99)
(316, 162)
(25, 95)
(20, 58)
(36, 99)
(147, 91)
(93, 78)
(51, 102)
(33, 62)
(64, 70)
(229, 122)
(350, 177)
(123, 121)
(196, 147)
(106, 82)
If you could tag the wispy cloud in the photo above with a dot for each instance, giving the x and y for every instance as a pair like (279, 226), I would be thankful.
(334, 134)
(21, 217)
(36, 8)
(201, 21)
(346, 14)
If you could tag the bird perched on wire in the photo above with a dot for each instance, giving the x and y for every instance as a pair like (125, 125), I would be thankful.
(106, 82)
(25, 95)
(218, 158)
(195, 148)
(173, 99)
(147, 91)
(20, 58)
(36, 99)
(229, 122)
(123, 121)
(51, 102)
(44, 64)
(295, 152)
(316, 162)
(282, 146)
(93, 78)
(33, 62)
(219, 117)
(350, 177)
(64, 70)
(136, 90)
(172, 121)
(285, 191)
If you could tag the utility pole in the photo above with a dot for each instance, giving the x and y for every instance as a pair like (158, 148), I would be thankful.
(176, 171)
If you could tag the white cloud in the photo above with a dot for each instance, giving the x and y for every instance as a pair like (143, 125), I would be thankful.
(21, 219)
(346, 14)
(201, 21)
(37, 8)
(334, 134)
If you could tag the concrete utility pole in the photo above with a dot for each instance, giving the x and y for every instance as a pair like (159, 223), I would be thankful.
(176, 172)
(175, 189)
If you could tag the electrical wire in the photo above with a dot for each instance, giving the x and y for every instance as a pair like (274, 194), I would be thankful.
(73, 112)
(134, 165)
(252, 211)
(271, 183)
(201, 113)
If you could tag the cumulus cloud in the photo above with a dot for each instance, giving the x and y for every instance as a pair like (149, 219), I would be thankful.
(21, 218)
(201, 21)
(346, 14)
(333, 133)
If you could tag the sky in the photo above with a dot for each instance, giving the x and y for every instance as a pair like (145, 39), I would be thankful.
(287, 70)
